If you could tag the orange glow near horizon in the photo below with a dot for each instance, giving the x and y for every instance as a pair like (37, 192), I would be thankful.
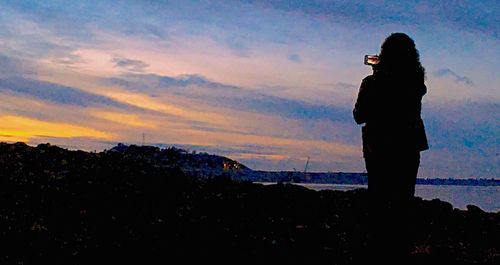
(13, 138)
(17, 128)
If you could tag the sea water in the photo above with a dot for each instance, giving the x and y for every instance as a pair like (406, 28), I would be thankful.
(485, 197)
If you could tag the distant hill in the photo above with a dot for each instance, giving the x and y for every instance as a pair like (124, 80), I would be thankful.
(200, 164)
(206, 165)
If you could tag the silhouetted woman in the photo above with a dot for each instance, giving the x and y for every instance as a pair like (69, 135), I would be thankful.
(389, 104)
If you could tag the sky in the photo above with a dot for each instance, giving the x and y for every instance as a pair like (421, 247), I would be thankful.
(267, 83)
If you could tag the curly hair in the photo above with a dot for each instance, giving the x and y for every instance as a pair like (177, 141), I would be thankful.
(398, 55)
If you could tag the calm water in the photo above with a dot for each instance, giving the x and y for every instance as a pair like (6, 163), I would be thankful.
(486, 198)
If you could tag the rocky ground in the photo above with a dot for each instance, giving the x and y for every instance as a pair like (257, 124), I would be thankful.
(73, 207)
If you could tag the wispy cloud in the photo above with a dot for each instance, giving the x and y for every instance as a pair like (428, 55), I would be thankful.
(343, 85)
(295, 58)
(69, 60)
(458, 78)
(238, 47)
(478, 16)
(131, 65)
(14, 67)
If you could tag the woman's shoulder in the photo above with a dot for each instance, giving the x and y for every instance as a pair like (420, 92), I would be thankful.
(374, 80)
(368, 80)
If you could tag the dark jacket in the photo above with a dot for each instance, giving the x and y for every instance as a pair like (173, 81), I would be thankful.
(390, 108)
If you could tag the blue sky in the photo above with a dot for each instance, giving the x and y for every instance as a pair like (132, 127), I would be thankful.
(267, 83)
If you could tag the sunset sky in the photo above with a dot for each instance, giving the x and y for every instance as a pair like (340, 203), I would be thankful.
(267, 83)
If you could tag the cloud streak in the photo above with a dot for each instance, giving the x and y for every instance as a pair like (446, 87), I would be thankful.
(444, 72)
(13, 67)
(234, 97)
(50, 92)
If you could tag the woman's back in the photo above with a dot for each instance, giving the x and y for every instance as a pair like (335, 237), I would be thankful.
(397, 100)
(390, 108)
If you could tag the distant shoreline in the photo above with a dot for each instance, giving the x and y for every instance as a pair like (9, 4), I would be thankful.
(349, 178)
(485, 197)
(425, 182)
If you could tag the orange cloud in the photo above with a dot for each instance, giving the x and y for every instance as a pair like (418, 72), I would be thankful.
(275, 157)
(122, 118)
(146, 102)
(295, 146)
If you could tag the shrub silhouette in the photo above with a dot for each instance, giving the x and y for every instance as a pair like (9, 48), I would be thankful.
(121, 206)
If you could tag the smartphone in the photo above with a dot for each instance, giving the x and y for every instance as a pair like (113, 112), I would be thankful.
(371, 59)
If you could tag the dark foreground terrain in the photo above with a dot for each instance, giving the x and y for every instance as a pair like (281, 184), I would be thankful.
(115, 207)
